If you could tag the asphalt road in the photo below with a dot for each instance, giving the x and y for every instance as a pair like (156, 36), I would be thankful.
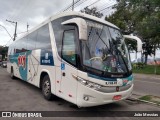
(17, 95)
(147, 84)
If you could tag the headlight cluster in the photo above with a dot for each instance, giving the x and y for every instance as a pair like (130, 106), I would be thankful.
(130, 82)
(89, 84)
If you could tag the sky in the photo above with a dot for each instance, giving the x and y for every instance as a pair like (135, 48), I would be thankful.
(34, 12)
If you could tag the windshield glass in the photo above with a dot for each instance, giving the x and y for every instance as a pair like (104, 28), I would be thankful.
(105, 49)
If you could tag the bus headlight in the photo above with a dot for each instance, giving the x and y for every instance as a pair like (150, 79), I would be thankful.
(130, 82)
(89, 84)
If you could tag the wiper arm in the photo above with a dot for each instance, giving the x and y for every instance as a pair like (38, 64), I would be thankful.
(88, 39)
(122, 59)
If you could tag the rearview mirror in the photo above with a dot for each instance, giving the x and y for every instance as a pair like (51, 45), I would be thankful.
(82, 26)
(135, 38)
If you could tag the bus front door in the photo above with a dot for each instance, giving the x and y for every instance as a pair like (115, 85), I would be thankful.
(68, 66)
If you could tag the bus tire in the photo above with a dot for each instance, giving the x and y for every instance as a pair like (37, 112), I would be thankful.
(46, 88)
(12, 73)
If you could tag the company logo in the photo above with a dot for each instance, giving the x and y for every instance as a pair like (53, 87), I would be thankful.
(22, 61)
(21, 114)
(6, 114)
(117, 88)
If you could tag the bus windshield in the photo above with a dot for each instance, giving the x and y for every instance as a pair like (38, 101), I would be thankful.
(105, 49)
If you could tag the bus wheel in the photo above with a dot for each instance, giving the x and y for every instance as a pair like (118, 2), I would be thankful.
(12, 73)
(46, 88)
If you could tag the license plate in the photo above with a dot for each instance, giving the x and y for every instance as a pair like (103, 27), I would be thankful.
(111, 83)
(119, 82)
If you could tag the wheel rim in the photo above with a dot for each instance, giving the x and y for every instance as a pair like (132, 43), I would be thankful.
(46, 88)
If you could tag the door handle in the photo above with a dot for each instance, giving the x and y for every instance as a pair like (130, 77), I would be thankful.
(63, 74)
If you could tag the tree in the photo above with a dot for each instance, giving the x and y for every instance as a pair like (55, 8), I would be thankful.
(141, 18)
(3, 52)
(93, 11)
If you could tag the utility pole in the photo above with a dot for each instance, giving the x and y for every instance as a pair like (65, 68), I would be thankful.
(73, 6)
(27, 26)
(15, 32)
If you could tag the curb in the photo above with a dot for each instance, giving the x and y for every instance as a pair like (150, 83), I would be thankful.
(148, 102)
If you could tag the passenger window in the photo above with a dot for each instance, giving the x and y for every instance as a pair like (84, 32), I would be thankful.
(31, 40)
(43, 38)
(69, 47)
(20, 45)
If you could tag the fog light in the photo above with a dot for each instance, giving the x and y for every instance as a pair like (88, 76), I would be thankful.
(86, 98)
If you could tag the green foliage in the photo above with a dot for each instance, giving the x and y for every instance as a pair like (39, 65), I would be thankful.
(92, 11)
(147, 98)
(138, 65)
(132, 45)
(141, 18)
(151, 98)
(3, 51)
(148, 69)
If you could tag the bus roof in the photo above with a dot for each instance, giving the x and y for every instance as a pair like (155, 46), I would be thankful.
(63, 14)
(70, 13)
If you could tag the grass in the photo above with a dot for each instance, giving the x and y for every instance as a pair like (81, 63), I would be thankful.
(147, 69)
(150, 98)
(146, 98)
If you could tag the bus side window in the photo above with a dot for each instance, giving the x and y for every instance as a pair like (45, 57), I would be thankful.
(43, 38)
(20, 45)
(31, 40)
(69, 47)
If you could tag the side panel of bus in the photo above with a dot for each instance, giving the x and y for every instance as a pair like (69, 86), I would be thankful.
(31, 56)
(39, 55)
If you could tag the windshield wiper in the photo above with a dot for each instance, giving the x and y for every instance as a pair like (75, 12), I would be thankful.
(88, 39)
(115, 44)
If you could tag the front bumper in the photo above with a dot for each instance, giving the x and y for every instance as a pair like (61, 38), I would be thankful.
(98, 98)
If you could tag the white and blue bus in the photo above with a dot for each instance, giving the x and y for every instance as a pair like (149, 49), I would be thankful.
(75, 56)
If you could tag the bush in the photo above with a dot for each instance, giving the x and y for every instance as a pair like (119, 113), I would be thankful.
(148, 69)
(138, 65)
